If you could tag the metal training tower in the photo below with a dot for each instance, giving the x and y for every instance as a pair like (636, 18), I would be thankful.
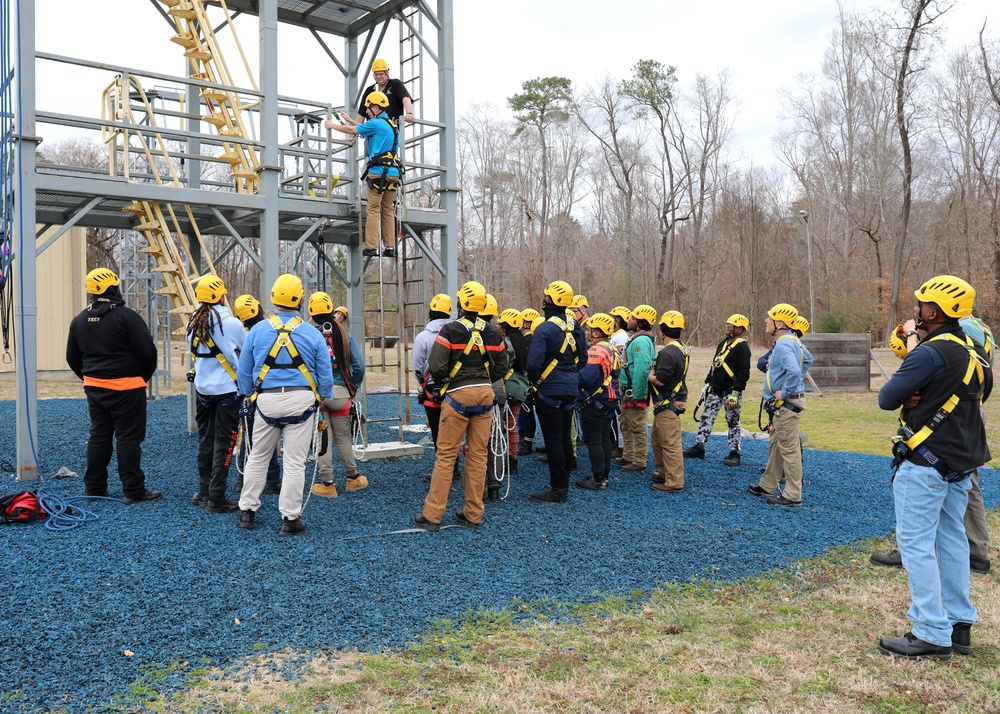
(215, 169)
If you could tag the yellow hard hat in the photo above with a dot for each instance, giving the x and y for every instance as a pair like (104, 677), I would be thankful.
(441, 303)
(377, 98)
(342, 310)
(245, 307)
(536, 322)
(560, 293)
(100, 279)
(897, 342)
(320, 304)
(512, 318)
(601, 321)
(622, 312)
(738, 320)
(645, 312)
(287, 291)
(783, 312)
(472, 297)
(380, 65)
(210, 289)
(579, 301)
(953, 295)
(800, 324)
(672, 318)
(529, 314)
(491, 308)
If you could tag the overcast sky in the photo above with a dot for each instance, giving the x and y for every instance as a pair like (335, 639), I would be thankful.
(499, 45)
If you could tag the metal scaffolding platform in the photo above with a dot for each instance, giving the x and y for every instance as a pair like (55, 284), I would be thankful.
(233, 158)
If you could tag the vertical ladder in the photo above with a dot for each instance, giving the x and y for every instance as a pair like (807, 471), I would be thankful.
(383, 331)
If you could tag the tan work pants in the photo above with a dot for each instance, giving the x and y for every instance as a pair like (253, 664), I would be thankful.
(667, 448)
(635, 435)
(381, 212)
(784, 452)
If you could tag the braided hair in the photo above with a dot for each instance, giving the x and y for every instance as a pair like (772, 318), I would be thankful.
(340, 343)
(200, 325)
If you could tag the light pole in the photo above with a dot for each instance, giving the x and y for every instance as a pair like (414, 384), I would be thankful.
(809, 260)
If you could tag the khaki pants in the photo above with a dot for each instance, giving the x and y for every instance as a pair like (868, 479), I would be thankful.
(975, 522)
(784, 452)
(339, 430)
(296, 439)
(667, 448)
(381, 212)
(635, 435)
(453, 427)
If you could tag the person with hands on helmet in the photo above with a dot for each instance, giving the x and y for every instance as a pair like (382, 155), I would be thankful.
(400, 104)
(285, 372)
(668, 390)
(554, 358)
(939, 388)
(348, 364)
(724, 386)
(637, 359)
(466, 355)
(599, 399)
(383, 172)
(109, 347)
(215, 338)
(784, 393)
(247, 310)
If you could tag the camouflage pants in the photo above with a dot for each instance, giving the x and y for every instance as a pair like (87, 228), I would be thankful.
(710, 410)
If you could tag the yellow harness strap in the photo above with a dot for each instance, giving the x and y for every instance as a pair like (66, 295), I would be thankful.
(802, 359)
(213, 349)
(568, 342)
(975, 367)
(475, 340)
(283, 341)
(720, 361)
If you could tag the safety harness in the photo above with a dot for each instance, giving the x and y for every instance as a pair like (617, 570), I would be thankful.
(907, 442)
(608, 406)
(720, 359)
(283, 342)
(475, 342)
(779, 403)
(628, 368)
(668, 402)
(387, 160)
(568, 343)
(213, 351)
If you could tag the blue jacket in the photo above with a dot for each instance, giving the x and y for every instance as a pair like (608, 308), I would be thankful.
(789, 362)
(546, 341)
(308, 342)
(210, 377)
(380, 138)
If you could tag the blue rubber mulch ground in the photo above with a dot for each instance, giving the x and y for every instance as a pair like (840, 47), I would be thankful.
(167, 582)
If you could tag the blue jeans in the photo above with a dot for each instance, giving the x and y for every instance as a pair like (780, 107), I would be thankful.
(930, 532)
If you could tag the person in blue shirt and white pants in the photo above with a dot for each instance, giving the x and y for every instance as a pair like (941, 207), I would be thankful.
(289, 372)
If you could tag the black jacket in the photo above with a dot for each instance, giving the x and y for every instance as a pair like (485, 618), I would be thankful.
(738, 360)
(109, 341)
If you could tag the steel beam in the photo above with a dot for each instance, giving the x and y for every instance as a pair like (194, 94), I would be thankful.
(449, 156)
(68, 224)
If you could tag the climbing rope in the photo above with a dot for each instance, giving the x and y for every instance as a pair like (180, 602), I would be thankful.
(499, 446)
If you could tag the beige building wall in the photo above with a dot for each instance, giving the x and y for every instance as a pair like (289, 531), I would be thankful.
(61, 295)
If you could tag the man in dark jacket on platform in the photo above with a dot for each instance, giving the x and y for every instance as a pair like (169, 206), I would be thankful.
(111, 350)
(942, 440)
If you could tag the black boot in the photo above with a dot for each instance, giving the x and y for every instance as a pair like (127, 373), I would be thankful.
(553, 495)
(524, 447)
(961, 638)
(733, 459)
(695, 452)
